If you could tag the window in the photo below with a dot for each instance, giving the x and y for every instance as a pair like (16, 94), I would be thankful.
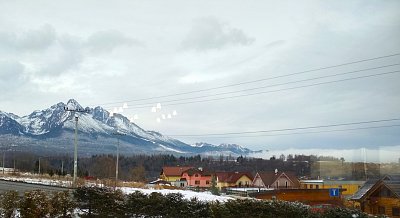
(381, 210)
(316, 186)
(311, 186)
(395, 211)
(196, 175)
(286, 184)
(207, 182)
(197, 182)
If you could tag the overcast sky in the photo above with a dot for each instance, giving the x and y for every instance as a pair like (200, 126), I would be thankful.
(100, 52)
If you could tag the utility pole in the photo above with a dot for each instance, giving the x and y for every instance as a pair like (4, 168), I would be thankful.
(39, 166)
(62, 168)
(4, 157)
(76, 110)
(118, 134)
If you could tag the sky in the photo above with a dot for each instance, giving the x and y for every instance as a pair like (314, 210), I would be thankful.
(107, 53)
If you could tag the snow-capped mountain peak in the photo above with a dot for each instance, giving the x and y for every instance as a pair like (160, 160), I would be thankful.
(98, 126)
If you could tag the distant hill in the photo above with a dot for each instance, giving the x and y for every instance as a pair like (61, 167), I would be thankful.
(51, 130)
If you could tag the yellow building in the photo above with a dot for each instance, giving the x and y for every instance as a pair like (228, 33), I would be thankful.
(172, 174)
(380, 196)
(233, 179)
(348, 187)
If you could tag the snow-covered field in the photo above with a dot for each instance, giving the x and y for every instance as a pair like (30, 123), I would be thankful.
(42, 181)
(187, 194)
(202, 196)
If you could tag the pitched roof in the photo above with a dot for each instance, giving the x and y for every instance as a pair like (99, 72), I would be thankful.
(364, 189)
(269, 178)
(394, 186)
(390, 181)
(232, 177)
(193, 171)
(174, 171)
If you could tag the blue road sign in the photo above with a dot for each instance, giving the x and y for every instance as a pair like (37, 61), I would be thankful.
(334, 192)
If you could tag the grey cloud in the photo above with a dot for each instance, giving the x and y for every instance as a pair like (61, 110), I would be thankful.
(209, 33)
(64, 61)
(31, 40)
(11, 74)
(68, 56)
(107, 41)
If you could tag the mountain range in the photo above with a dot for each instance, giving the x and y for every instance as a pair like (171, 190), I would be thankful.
(52, 131)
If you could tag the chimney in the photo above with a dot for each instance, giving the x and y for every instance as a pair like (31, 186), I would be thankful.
(276, 171)
(200, 168)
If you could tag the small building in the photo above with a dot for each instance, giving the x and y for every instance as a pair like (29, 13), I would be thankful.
(233, 179)
(173, 174)
(197, 178)
(380, 196)
(276, 180)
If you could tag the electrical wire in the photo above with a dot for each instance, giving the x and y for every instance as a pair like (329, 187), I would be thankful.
(254, 81)
(301, 133)
(263, 92)
(288, 129)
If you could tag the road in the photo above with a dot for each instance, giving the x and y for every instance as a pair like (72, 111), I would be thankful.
(23, 187)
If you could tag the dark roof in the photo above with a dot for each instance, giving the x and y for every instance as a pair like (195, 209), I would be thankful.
(364, 189)
(269, 178)
(390, 181)
(232, 177)
(174, 171)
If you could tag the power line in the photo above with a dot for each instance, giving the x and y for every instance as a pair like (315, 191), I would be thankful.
(258, 80)
(273, 85)
(313, 132)
(263, 92)
(290, 129)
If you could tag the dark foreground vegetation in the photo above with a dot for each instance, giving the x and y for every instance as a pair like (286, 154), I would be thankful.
(103, 202)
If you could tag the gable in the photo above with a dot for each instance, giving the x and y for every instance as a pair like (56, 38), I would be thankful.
(382, 188)
(257, 181)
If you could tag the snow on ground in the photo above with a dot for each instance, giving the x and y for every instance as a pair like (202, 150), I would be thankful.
(187, 194)
(51, 182)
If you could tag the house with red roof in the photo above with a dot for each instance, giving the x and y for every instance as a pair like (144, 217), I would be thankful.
(233, 179)
(197, 177)
(173, 174)
(276, 180)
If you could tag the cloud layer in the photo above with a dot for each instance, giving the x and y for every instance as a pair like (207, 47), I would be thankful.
(102, 52)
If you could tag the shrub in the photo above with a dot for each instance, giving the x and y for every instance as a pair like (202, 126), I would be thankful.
(35, 204)
(338, 212)
(95, 201)
(9, 202)
(62, 204)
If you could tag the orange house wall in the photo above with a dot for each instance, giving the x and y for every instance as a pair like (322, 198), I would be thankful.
(191, 180)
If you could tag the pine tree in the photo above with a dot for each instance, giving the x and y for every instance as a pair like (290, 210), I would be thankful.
(214, 188)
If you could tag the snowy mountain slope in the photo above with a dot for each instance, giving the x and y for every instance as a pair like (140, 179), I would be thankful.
(54, 126)
(8, 125)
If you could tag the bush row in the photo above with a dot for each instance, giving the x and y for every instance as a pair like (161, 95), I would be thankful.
(104, 202)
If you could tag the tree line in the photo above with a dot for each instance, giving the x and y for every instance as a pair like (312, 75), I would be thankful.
(143, 167)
